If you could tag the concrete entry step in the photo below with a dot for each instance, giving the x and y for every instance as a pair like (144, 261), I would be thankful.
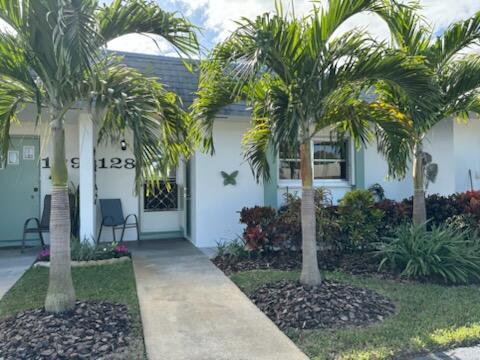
(192, 311)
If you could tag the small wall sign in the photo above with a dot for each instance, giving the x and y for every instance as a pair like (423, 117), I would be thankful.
(29, 153)
(13, 157)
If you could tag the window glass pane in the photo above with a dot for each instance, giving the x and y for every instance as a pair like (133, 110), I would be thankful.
(329, 150)
(330, 170)
(289, 169)
(289, 154)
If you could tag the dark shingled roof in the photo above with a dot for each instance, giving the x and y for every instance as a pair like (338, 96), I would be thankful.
(175, 76)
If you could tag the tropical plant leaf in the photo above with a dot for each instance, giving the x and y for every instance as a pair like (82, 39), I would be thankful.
(137, 16)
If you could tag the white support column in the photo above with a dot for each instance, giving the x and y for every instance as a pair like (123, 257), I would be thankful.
(88, 213)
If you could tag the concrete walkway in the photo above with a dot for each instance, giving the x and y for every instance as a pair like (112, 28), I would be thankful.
(192, 311)
(12, 266)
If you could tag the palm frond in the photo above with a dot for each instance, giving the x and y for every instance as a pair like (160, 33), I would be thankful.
(15, 68)
(13, 11)
(13, 60)
(366, 121)
(14, 95)
(256, 144)
(75, 37)
(460, 83)
(215, 91)
(329, 18)
(456, 38)
(124, 100)
(409, 30)
(146, 17)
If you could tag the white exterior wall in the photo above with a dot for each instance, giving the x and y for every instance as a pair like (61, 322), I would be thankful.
(454, 146)
(110, 182)
(467, 154)
(215, 206)
(376, 171)
(439, 143)
(116, 183)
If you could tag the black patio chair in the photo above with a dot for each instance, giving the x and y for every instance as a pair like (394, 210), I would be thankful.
(112, 216)
(41, 226)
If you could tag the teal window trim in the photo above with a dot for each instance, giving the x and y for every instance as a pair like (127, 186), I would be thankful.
(359, 168)
(270, 193)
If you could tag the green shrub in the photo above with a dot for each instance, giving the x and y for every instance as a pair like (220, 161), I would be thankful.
(394, 215)
(463, 222)
(233, 250)
(85, 250)
(442, 253)
(359, 219)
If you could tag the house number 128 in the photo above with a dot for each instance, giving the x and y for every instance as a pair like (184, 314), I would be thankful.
(103, 163)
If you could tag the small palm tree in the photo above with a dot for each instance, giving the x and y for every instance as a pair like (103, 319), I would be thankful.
(53, 57)
(300, 78)
(456, 79)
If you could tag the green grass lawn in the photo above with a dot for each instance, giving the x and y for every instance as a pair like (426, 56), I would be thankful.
(113, 283)
(429, 318)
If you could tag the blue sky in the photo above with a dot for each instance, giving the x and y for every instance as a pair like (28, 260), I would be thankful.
(216, 18)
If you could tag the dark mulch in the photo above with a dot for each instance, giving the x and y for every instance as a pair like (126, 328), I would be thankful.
(353, 263)
(268, 261)
(93, 330)
(330, 305)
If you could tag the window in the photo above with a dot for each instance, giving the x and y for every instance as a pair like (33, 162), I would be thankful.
(161, 198)
(329, 161)
(289, 165)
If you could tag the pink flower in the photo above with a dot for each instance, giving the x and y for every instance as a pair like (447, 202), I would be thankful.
(44, 255)
(121, 249)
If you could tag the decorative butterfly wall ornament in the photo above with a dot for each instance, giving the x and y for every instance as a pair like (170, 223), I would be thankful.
(229, 179)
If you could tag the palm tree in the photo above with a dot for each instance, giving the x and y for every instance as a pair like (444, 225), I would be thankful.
(300, 78)
(53, 56)
(456, 79)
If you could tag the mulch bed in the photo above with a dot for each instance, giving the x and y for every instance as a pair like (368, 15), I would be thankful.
(330, 305)
(93, 330)
(354, 263)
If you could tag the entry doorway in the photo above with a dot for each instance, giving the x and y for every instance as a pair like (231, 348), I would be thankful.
(19, 187)
(162, 207)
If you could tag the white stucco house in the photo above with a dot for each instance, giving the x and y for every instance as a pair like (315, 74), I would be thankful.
(200, 207)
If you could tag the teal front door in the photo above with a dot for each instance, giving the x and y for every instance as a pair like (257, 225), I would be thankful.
(19, 188)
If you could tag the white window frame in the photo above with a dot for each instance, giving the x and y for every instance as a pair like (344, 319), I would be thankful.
(332, 183)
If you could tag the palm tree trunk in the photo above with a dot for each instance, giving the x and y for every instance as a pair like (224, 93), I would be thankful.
(419, 215)
(60, 294)
(310, 272)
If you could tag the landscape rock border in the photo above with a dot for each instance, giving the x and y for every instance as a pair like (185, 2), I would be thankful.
(290, 304)
(88, 262)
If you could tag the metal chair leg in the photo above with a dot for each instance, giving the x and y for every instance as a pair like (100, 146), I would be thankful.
(123, 232)
(41, 239)
(138, 232)
(99, 233)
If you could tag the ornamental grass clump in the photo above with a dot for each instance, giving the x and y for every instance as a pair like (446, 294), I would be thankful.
(441, 254)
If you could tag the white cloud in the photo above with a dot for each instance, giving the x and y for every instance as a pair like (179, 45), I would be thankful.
(219, 16)
(142, 44)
